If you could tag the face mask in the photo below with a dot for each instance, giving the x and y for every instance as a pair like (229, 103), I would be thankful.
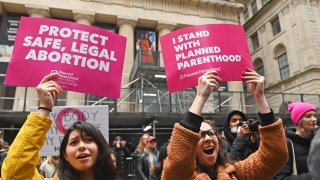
(235, 129)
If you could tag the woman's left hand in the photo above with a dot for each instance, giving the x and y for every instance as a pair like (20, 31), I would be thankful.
(255, 82)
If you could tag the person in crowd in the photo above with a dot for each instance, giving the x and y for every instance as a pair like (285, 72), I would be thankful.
(304, 117)
(119, 146)
(162, 157)
(246, 142)
(49, 168)
(232, 126)
(314, 157)
(195, 152)
(6, 146)
(84, 152)
(3, 153)
(142, 146)
(130, 145)
(148, 160)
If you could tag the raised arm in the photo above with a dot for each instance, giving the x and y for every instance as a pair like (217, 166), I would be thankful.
(272, 153)
(180, 162)
(23, 155)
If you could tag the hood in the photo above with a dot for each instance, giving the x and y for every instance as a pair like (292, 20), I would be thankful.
(226, 129)
(291, 134)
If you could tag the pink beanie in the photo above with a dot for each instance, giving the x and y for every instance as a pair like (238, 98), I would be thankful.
(298, 109)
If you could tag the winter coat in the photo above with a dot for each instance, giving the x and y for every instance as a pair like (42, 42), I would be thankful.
(3, 155)
(144, 164)
(314, 157)
(123, 153)
(230, 137)
(23, 156)
(242, 147)
(263, 164)
(301, 149)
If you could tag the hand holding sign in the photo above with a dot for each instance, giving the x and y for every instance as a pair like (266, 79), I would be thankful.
(190, 52)
(81, 54)
(206, 82)
(48, 90)
(255, 82)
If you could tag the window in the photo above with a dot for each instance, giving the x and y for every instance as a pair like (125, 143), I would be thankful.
(3, 70)
(264, 2)
(62, 99)
(254, 7)
(258, 66)
(260, 70)
(283, 66)
(246, 15)
(6, 91)
(276, 26)
(255, 41)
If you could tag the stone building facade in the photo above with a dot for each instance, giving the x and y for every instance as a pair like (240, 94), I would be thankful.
(284, 41)
(125, 16)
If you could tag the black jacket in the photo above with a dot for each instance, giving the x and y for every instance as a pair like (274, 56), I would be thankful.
(144, 165)
(242, 147)
(3, 155)
(123, 153)
(301, 150)
(226, 129)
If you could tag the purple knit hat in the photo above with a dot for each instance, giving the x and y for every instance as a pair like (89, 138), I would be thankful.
(298, 109)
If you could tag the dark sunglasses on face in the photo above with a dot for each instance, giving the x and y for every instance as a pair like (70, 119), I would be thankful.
(211, 133)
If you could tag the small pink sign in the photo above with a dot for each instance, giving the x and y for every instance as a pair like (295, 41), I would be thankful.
(190, 52)
(88, 59)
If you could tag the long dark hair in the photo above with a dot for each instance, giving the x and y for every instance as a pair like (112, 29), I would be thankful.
(103, 166)
(223, 155)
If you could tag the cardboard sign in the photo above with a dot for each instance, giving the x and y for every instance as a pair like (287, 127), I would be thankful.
(63, 117)
(190, 52)
(88, 59)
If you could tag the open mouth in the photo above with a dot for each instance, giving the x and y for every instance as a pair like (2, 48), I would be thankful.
(83, 156)
(209, 150)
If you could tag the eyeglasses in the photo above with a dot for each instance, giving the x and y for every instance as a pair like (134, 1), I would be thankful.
(211, 133)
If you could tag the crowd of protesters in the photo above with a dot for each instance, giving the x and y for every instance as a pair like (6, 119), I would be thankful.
(245, 149)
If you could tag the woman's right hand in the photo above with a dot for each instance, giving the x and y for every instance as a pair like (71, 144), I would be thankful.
(48, 90)
(206, 82)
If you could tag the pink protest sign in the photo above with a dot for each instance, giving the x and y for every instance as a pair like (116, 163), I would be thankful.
(88, 59)
(190, 52)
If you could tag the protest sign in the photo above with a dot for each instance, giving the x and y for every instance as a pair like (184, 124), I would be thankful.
(190, 52)
(63, 117)
(88, 59)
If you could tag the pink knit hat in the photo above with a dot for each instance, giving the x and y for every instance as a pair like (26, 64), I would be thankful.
(298, 109)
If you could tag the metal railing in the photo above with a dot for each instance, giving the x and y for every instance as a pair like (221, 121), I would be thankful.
(161, 101)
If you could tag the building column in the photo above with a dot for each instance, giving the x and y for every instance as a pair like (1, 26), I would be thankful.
(163, 29)
(238, 98)
(30, 93)
(126, 28)
(1, 9)
(38, 11)
(75, 98)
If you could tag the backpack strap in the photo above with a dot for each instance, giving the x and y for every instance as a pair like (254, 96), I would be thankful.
(294, 164)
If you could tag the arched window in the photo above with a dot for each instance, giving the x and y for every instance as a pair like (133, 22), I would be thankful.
(280, 54)
(258, 66)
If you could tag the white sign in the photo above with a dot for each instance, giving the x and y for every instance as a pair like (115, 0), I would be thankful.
(63, 117)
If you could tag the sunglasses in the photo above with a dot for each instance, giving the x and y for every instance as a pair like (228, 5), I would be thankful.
(211, 133)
